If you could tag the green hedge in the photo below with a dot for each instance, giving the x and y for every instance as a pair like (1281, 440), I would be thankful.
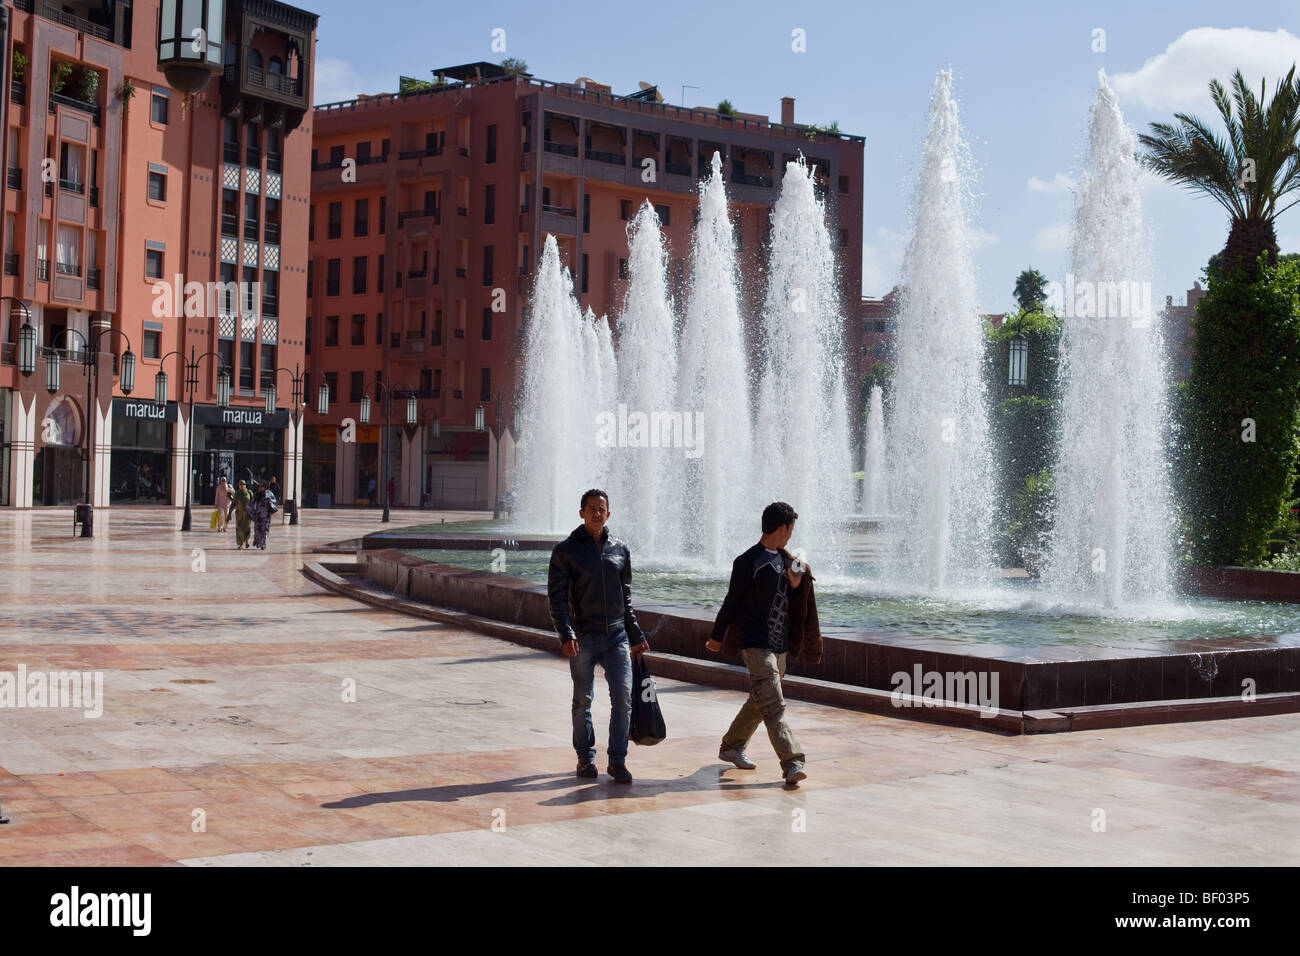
(1245, 365)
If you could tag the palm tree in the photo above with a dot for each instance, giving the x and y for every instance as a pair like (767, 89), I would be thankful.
(1248, 173)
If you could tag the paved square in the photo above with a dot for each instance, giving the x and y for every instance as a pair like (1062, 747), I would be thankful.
(227, 737)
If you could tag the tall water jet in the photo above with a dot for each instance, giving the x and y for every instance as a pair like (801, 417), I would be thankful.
(873, 465)
(940, 473)
(598, 356)
(553, 464)
(649, 456)
(803, 452)
(1111, 544)
(715, 383)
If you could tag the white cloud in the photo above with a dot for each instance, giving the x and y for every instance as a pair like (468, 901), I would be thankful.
(1178, 79)
(1053, 238)
(881, 260)
(1060, 183)
(336, 80)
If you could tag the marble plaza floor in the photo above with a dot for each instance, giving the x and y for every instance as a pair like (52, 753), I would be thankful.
(227, 736)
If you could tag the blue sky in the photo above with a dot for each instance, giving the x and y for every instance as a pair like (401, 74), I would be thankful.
(1025, 74)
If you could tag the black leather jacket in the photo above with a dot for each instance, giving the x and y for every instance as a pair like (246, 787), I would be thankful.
(590, 588)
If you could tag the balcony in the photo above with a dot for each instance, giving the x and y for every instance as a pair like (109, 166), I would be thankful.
(458, 393)
(69, 186)
(418, 153)
(230, 225)
(741, 179)
(253, 157)
(11, 263)
(613, 159)
(274, 82)
(94, 278)
(230, 153)
(458, 333)
(251, 230)
(67, 268)
(413, 346)
(462, 210)
(43, 270)
(678, 169)
(18, 92)
(51, 11)
(271, 233)
(560, 211)
(271, 305)
(435, 214)
(416, 274)
(15, 177)
(461, 273)
(563, 149)
(58, 99)
(274, 162)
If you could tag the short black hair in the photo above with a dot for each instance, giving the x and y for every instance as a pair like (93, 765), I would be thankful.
(777, 515)
(594, 493)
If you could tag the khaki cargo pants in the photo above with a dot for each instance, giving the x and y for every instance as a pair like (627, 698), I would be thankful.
(766, 704)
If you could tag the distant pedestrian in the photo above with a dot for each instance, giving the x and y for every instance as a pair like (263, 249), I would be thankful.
(222, 502)
(240, 503)
(370, 493)
(769, 611)
(273, 486)
(263, 507)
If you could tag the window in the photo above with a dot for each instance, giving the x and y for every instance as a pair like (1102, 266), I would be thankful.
(379, 278)
(153, 263)
(622, 268)
(363, 153)
(586, 212)
(331, 330)
(379, 328)
(72, 159)
(152, 343)
(157, 186)
(361, 218)
(1017, 373)
(336, 220)
(68, 250)
(250, 290)
(311, 223)
(489, 204)
(311, 278)
(485, 385)
(272, 233)
(359, 329)
(269, 368)
(625, 209)
(307, 344)
(246, 370)
(359, 275)
(662, 213)
(488, 255)
(332, 268)
(332, 383)
(491, 144)
(487, 325)
(336, 156)
(357, 387)
(229, 212)
(252, 216)
(229, 289)
(383, 215)
(844, 237)
(844, 184)
(584, 273)
(226, 357)
(158, 108)
(270, 292)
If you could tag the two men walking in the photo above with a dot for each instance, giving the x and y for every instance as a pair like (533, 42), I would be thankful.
(768, 613)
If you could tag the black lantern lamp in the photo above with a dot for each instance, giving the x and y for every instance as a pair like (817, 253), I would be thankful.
(190, 34)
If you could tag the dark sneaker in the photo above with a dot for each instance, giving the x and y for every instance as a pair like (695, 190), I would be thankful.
(619, 773)
(794, 775)
(732, 755)
(587, 769)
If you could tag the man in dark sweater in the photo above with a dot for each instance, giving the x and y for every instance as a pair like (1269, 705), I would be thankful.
(758, 602)
(590, 589)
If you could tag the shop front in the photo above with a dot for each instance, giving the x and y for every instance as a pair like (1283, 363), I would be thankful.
(139, 472)
(240, 444)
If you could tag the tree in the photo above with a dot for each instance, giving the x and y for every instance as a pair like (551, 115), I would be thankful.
(514, 66)
(1248, 173)
(726, 109)
(1031, 288)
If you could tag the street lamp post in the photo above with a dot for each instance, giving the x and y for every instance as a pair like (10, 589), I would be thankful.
(90, 363)
(498, 429)
(299, 405)
(191, 384)
(412, 416)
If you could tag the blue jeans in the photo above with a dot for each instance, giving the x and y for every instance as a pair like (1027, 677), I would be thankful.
(611, 652)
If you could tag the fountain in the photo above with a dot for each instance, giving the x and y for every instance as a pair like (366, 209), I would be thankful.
(873, 467)
(940, 476)
(1111, 545)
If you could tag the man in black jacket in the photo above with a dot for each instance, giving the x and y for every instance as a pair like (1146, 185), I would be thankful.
(758, 601)
(589, 585)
